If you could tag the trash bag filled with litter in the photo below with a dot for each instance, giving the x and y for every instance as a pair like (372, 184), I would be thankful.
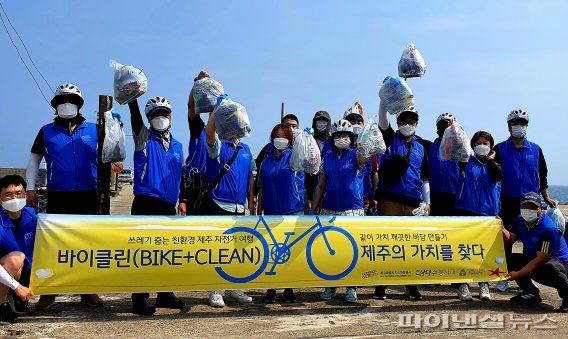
(306, 156)
(396, 94)
(231, 120)
(411, 63)
(129, 82)
(205, 94)
(455, 144)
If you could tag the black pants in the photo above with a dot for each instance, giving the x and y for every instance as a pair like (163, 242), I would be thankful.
(147, 205)
(72, 202)
(191, 194)
(210, 207)
(553, 273)
(510, 210)
(442, 204)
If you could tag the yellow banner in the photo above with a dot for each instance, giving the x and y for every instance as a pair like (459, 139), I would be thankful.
(89, 254)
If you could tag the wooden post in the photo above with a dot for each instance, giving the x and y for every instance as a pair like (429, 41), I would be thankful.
(103, 169)
(282, 112)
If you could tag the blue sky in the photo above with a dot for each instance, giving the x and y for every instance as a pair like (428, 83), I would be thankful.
(484, 58)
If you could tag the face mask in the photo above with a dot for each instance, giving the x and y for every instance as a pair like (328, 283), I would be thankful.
(342, 143)
(14, 205)
(481, 150)
(357, 129)
(296, 132)
(529, 215)
(280, 143)
(407, 130)
(321, 125)
(67, 111)
(160, 123)
(519, 131)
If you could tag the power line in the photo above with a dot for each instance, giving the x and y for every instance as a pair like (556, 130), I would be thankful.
(25, 47)
(22, 59)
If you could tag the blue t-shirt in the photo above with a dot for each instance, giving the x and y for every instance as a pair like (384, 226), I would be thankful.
(544, 237)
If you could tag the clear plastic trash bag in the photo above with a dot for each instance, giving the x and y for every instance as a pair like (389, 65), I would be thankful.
(129, 82)
(396, 94)
(205, 94)
(556, 215)
(114, 148)
(231, 120)
(306, 155)
(455, 144)
(411, 63)
(370, 141)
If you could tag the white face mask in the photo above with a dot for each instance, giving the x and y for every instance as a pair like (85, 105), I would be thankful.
(14, 205)
(519, 131)
(342, 143)
(357, 129)
(321, 125)
(67, 111)
(160, 123)
(281, 143)
(529, 215)
(481, 150)
(407, 130)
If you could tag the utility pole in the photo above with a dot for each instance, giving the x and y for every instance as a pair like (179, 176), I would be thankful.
(281, 111)
(103, 169)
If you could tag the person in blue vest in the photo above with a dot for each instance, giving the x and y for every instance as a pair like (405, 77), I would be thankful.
(370, 176)
(158, 159)
(281, 189)
(479, 187)
(545, 254)
(524, 170)
(443, 173)
(17, 237)
(69, 146)
(403, 175)
(232, 192)
(340, 187)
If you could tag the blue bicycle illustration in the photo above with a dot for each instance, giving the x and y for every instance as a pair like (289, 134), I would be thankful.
(278, 253)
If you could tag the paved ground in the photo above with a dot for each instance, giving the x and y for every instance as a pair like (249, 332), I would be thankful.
(440, 311)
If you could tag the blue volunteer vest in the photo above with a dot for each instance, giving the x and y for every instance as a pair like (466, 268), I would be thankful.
(531, 238)
(234, 185)
(71, 159)
(197, 155)
(409, 184)
(157, 173)
(478, 193)
(443, 173)
(344, 181)
(283, 188)
(520, 168)
(25, 242)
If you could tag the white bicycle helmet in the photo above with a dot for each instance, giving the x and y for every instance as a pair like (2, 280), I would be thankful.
(341, 125)
(518, 114)
(445, 116)
(67, 89)
(157, 103)
(410, 109)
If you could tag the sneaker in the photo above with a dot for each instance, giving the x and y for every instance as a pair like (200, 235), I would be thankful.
(169, 300)
(564, 307)
(6, 313)
(238, 296)
(289, 295)
(526, 297)
(142, 306)
(502, 286)
(379, 293)
(328, 293)
(351, 295)
(464, 294)
(270, 296)
(413, 293)
(216, 299)
(18, 306)
(91, 300)
(45, 302)
(484, 292)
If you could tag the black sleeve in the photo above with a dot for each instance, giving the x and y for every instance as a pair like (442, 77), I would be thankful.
(542, 170)
(135, 117)
(309, 185)
(39, 143)
(424, 168)
(388, 135)
(495, 170)
(497, 154)
(426, 143)
(195, 126)
(182, 197)
(462, 165)
(258, 161)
